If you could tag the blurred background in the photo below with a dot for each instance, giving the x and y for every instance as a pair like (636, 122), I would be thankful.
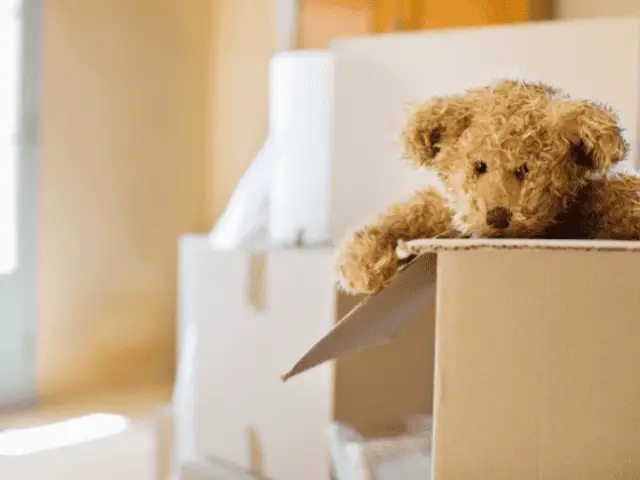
(151, 110)
(129, 123)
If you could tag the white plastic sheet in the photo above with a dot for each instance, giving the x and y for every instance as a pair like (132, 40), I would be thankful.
(300, 118)
(244, 222)
(405, 457)
(283, 199)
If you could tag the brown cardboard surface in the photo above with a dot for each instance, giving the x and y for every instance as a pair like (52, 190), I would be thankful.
(537, 358)
(397, 374)
(377, 318)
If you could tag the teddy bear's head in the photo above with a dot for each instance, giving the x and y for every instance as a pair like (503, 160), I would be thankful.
(513, 155)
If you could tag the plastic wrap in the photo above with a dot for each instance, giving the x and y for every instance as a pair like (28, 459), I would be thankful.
(283, 199)
(244, 222)
(300, 98)
(406, 457)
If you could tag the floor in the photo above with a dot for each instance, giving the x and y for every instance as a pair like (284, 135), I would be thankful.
(126, 453)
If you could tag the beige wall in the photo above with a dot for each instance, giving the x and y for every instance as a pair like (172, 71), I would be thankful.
(567, 9)
(243, 42)
(121, 177)
(322, 21)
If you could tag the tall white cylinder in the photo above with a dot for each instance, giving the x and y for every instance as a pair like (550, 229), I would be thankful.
(301, 84)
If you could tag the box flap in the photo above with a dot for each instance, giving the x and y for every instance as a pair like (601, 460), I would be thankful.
(418, 247)
(378, 317)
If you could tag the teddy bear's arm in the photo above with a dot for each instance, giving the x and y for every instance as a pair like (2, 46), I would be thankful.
(368, 259)
(615, 207)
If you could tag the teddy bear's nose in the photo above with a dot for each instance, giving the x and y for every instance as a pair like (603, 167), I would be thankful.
(499, 217)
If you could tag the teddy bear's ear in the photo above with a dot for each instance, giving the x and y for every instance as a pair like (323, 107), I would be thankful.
(433, 126)
(593, 132)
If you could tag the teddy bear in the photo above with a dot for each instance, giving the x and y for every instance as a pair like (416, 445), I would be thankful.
(514, 159)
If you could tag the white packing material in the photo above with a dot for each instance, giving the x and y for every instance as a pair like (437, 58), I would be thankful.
(300, 119)
(283, 198)
(345, 446)
(406, 457)
(244, 222)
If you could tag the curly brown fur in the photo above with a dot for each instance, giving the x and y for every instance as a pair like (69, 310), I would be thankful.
(516, 159)
(369, 259)
(614, 205)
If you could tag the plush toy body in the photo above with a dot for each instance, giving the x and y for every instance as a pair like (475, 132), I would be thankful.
(515, 159)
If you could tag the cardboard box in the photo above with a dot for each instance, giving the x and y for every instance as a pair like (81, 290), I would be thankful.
(254, 314)
(377, 77)
(536, 355)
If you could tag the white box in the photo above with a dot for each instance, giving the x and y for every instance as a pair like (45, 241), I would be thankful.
(242, 411)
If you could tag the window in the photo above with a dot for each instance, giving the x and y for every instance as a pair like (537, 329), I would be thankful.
(10, 60)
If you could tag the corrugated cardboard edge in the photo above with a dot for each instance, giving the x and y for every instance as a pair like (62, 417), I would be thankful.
(377, 318)
(418, 247)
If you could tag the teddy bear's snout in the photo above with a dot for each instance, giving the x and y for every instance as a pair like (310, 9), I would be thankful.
(499, 217)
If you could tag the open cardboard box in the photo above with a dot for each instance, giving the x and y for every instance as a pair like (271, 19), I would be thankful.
(537, 354)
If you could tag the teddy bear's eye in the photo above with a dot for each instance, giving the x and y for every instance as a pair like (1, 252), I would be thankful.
(521, 172)
(480, 168)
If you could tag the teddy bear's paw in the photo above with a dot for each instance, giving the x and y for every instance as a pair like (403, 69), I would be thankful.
(367, 272)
